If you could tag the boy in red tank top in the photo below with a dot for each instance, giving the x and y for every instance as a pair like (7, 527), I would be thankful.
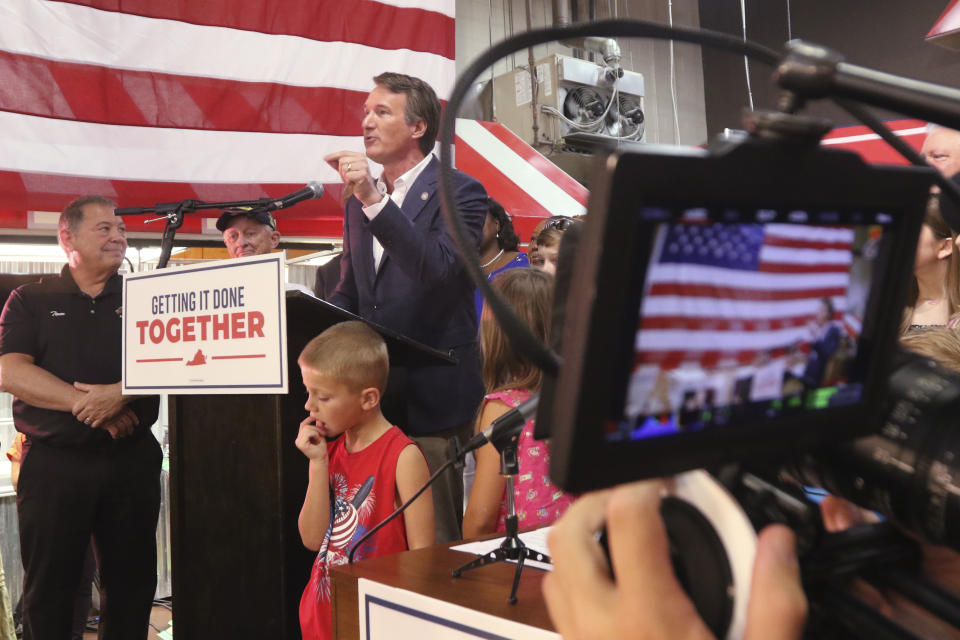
(357, 480)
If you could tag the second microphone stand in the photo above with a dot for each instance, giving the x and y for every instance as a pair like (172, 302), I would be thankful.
(512, 547)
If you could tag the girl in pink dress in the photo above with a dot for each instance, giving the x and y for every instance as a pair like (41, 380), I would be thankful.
(510, 380)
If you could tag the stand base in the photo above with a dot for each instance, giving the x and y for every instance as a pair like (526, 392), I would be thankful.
(512, 548)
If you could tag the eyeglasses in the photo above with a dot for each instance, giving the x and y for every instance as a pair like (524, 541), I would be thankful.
(560, 223)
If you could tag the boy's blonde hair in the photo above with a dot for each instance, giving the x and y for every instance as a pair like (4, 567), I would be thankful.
(351, 353)
(937, 343)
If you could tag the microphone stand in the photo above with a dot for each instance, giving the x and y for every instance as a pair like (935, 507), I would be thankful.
(173, 213)
(512, 547)
(504, 435)
(174, 220)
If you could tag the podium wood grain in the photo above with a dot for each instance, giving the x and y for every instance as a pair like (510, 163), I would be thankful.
(428, 572)
(236, 486)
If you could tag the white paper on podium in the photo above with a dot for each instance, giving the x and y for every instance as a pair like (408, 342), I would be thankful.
(389, 613)
(535, 540)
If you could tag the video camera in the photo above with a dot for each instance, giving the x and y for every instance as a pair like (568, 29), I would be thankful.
(737, 308)
(728, 303)
(741, 304)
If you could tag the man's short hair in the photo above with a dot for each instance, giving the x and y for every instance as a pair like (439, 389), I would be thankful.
(351, 353)
(422, 104)
(72, 215)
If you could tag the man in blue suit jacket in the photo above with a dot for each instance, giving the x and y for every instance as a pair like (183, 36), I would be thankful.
(400, 268)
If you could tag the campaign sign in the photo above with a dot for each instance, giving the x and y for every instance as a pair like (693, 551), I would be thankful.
(213, 328)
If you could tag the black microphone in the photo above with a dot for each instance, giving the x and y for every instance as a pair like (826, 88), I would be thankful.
(504, 428)
(313, 190)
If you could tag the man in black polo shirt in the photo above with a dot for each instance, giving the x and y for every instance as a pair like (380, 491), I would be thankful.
(92, 466)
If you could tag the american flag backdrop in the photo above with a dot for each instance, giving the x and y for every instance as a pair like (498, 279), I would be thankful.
(723, 293)
(153, 101)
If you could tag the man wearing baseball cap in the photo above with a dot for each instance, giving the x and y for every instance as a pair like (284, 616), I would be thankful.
(252, 233)
(248, 233)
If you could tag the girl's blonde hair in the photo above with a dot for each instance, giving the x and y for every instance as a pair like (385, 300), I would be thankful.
(530, 293)
(937, 343)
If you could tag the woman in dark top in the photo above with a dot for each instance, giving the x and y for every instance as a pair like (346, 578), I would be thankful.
(498, 247)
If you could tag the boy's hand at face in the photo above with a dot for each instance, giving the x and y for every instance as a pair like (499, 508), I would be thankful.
(311, 442)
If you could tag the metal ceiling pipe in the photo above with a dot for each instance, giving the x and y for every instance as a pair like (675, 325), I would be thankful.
(606, 47)
(561, 13)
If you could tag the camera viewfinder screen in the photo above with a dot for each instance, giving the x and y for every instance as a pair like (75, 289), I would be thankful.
(747, 315)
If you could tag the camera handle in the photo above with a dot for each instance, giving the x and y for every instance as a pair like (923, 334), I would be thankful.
(512, 547)
(886, 559)
(879, 554)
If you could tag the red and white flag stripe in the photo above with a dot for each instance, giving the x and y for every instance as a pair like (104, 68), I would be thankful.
(690, 310)
(160, 101)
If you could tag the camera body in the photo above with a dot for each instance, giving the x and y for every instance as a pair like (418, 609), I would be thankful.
(713, 290)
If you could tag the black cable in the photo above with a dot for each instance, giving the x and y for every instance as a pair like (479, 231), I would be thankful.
(947, 186)
(446, 465)
(522, 340)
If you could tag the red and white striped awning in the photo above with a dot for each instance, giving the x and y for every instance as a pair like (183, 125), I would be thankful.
(526, 183)
(531, 187)
(946, 30)
(871, 147)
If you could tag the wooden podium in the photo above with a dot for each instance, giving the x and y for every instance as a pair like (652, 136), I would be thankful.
(428, 572)
(237, 482)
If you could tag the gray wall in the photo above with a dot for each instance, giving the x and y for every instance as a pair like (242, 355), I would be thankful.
(480, 22)
(887, 35)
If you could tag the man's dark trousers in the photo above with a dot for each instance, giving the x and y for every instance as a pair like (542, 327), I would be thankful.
(110, 490)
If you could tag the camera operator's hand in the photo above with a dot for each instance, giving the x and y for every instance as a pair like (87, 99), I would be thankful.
(646, 601)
